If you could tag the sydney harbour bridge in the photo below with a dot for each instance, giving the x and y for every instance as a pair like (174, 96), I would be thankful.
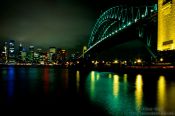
(120, 25)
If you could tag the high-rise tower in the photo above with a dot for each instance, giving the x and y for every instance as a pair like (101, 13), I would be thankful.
(11, 48)
(166, 25)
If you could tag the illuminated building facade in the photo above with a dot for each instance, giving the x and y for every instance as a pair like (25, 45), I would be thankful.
(5, 52)
(52, 53)
(61, 55)
(31, 53)
(11, 54)
(19, 54)
(24, 55)
(166, 25)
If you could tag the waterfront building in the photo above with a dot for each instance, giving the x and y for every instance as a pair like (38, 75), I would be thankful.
(166, 25)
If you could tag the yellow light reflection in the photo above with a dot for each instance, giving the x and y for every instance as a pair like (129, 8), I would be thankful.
(92, 76)
(161, 92)
(125, 78)
(139, 91)
(78, 80)
(110, 75)
(92, 84)
(116, 85)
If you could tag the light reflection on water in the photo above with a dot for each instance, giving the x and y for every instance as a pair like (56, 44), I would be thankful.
(139, 91)
(115, 85)
(33, 79)
(161, 93)
(115, 93)
(46, 80)
(92, 85)
(120, 96)
(10, 79)
(109, 92)
(125, 76)
(65, 77)
(78, 80)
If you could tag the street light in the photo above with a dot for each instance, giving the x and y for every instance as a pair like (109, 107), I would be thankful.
(139, 60)
(115, 61)
(161, 59)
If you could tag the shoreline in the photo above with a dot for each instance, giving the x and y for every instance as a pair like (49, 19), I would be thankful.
(150, 68)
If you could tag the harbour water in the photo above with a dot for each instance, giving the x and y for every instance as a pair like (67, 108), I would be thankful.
(69, 91)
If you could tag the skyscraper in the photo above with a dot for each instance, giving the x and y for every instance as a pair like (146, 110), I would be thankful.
(11, 52)
(4, 55)
(5, 52)
(31, 54)
(19, 53)
(52, 54)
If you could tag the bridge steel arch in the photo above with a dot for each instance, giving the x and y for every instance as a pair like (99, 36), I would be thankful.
(117, 18)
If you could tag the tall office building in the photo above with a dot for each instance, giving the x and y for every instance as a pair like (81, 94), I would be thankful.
(23, 55)
(19, 53)
(31, 53)
(11, 51)
(63, 55)
(4, 55)
(52, 54)
(166, 25)
(6, 52)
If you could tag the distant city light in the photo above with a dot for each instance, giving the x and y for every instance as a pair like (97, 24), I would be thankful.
(11, 50)
(115, 61)
(139, 60)
(161, 59)
(96, 62)
(125, 62)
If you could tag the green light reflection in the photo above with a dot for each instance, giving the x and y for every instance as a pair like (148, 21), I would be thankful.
(125, 76)
(109, 92)
(92, 84)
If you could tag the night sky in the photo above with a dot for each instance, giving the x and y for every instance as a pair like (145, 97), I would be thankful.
(61, 23)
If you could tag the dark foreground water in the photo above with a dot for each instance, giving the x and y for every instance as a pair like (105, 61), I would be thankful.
(27, 90)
